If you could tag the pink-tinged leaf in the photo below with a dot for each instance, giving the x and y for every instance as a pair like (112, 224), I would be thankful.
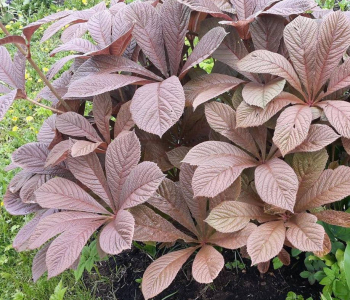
(261, 94)
(175, 18)
(140, 184)
(14, 205)
(290, 7)
(267, 32)
(31, 156)
(203, 88)
(88, 170)
(61, 86)
(346, 144)
(207, 264)
(65, 249)
(300, 38)
(58, 154)
(251, 116)
(73, 124)
(124, 121)
(7, 73)
(106, 64)
(212, 153)
(148, 32)
(338, 114)
(20, 243)
(117, 235)
(56, 223)
(74, 31)
(339, 79)
(39, 263)
(230, 194)
(244, 8)
(308, 168)
(123, 155)
(4, 89)
(5, 102)
(198, 207)
(332, 41)
(176, 155)
(266, 62)
(95, 84)
(19, 62)
(156, 107)
(233, 240)
(159, 275)
(205, 47)
(102, 111)
(331, 186)
(100, 27)
(332, 217)
(78, 45)
(292, 127)
(231, 216)
(266, 241)
(304, 233)
(31, 28)
(319, 137)
(57, 66)
(28, 189)
(61, 193)
(13, 39)
(169, 201)
(81, 148)
(206, 6)
(151, 227)
(276, 183)
(57, 26)
(19, 180)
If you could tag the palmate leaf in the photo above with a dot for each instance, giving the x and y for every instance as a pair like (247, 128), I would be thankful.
(39, 263)
(331, 186)
(7, 72)
(332, 42)
(6, 101)
(81, 148)
(117, 235)
(205, 47)
(148, 32)
(266, 62)
(15, 206)
(292, 127)
(102, 111)
(266, 241)
(73, 31)
(100, 27)
(175, 18)
(304, 233)
(31, 156)
(124, 121)
(27, 191)
(289, 7)
(156, 107)
(123, 154)
(222, 118)
(159, 275)
(332, 217)
(207, 264)
(261, 94)
(276, 183)
(208, 86)
(58, 154)
(231, 216)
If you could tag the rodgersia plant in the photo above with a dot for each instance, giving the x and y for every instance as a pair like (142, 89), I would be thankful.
(251, 152)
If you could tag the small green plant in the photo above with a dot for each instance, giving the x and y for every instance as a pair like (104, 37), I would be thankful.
(59, 292)
(277, 264)
(148, 247)
(88, 259)
(314, 266)
(294, 296)
(236, 264)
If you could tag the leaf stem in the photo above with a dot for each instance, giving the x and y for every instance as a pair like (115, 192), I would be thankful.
(37, 69)
(56, 111)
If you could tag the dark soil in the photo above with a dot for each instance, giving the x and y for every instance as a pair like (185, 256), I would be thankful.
(120, 273)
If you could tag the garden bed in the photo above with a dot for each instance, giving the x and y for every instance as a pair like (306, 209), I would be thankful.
(125, 269)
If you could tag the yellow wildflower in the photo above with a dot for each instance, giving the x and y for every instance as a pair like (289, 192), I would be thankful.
(45, 69)
(20, 26)
(84, 2)
(39, 80)
(26, 76)
(32, 128)
(14, 128)
(8, 26)
(14, 118)
(29, 118)
(30, 78)
(1, 203)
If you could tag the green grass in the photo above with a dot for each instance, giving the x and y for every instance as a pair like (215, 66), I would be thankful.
(19, 127)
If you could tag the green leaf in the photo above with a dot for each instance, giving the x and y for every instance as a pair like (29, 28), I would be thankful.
(340, 289)
(347, 264)
(59, 292)
(326, 281)
(305, 274)
(319, 275)
(330, 273)
(277, 263)
(295, 252)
